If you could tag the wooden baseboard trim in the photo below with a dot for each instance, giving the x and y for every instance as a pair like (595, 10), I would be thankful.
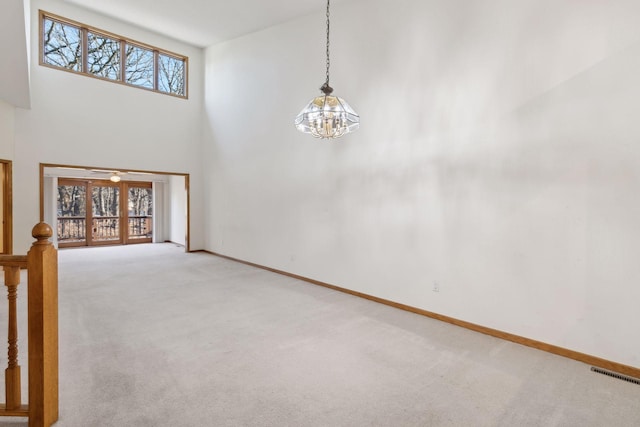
(550, 348)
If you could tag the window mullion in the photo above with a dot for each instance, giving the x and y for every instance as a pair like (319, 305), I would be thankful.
(156, 68)
(84, 50)
(123, 52)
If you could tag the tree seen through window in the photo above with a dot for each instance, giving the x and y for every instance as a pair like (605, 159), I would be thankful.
(71, 46)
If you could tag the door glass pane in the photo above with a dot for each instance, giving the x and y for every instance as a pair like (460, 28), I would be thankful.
(140, 213)
(72, 204)
(106, 207)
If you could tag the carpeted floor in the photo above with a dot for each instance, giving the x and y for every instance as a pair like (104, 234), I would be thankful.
(151, 336)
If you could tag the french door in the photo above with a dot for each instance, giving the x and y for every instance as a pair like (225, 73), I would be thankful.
(104, 213)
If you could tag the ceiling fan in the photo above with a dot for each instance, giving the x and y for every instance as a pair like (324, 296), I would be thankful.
(114, 175)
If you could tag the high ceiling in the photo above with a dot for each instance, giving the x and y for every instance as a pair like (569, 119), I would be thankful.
(204, 22)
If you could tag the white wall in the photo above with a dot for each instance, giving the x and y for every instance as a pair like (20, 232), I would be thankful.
(159, 212)
(498, 156)
(50, 193)
(7, 130)
(178, 209)
(14, 57)
(77, 120)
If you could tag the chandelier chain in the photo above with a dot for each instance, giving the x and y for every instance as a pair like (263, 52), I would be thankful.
(328, 27)
(327, 116)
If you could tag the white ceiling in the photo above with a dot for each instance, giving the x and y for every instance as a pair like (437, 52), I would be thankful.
(204, 22)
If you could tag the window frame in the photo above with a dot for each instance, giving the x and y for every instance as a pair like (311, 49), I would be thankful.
(123, 41)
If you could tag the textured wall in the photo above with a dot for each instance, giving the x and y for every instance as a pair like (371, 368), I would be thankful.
(497, 156)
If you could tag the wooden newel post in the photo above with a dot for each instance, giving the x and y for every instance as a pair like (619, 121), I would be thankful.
(42, 264)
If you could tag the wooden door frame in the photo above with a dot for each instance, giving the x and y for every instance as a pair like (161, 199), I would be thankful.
(186, 177)
(7, 211)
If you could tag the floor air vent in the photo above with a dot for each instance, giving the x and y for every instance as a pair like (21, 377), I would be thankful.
(616, 375)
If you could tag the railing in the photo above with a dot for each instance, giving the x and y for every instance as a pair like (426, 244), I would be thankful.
(140, 227)
(42, 305)
(105, 228)
(73, 229)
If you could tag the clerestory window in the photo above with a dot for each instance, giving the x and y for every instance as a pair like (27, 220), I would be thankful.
(71, 46)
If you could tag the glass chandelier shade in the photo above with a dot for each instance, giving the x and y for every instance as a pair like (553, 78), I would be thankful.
(327, 116)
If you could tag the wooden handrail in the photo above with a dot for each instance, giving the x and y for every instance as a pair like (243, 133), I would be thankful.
(13, 261)
(42, 269)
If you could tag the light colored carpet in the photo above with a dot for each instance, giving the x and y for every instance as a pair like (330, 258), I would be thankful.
(151, 336)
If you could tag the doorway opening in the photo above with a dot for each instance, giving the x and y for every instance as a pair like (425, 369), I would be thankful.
(91, 206)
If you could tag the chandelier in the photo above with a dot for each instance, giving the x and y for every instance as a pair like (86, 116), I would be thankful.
(327, 116)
